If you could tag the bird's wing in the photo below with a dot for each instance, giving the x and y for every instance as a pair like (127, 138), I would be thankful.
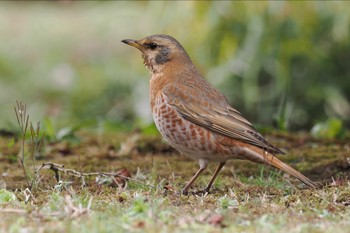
(219, 117)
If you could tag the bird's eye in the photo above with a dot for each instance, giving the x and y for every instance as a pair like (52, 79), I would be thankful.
(153, 45)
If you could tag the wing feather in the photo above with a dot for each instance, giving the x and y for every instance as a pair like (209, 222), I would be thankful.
(219, 118)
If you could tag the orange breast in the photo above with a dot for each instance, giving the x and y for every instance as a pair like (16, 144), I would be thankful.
(186, 137)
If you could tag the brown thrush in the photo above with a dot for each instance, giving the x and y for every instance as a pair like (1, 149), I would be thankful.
(195, 118)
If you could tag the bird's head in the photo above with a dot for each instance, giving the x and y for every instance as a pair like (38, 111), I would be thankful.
(159, 50)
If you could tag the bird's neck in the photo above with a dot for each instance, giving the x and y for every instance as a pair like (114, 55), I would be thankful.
(169, 73)
(157, 81)
(156, 69)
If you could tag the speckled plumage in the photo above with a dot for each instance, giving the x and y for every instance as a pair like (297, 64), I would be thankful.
(194, 117)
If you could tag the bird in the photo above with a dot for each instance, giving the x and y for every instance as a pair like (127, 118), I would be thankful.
(195, 118)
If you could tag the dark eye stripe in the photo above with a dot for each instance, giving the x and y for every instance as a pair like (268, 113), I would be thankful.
(152, 45)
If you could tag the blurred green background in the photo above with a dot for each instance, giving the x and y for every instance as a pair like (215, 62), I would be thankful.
(282, 64)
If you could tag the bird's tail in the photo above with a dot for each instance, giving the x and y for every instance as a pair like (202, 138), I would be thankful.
(274, 161)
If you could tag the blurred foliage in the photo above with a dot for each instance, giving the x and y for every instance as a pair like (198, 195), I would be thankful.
(6, 196)
(280, 63)
(332, 128)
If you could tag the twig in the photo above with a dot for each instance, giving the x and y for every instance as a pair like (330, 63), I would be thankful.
(18, 211)
(71, 172)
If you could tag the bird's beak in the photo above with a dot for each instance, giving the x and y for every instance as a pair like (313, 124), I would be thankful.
(133, 43)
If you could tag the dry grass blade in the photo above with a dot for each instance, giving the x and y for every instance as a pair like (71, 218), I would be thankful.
(21, 115)
(73, 210)
(22, 119)
(35, 139)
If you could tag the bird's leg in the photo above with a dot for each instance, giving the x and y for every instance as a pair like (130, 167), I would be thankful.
(188, 185)
(216, 173)
(202, 167)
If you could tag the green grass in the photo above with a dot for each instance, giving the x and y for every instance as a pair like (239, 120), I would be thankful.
(143, 210)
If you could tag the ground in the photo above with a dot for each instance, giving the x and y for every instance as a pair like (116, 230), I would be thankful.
(144, 194)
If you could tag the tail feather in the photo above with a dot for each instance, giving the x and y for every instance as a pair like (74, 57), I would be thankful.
(274, 161)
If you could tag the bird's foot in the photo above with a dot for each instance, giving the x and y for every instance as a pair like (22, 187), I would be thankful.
(197, 193)
(184, 192)
(207, 189)
(201, 193)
